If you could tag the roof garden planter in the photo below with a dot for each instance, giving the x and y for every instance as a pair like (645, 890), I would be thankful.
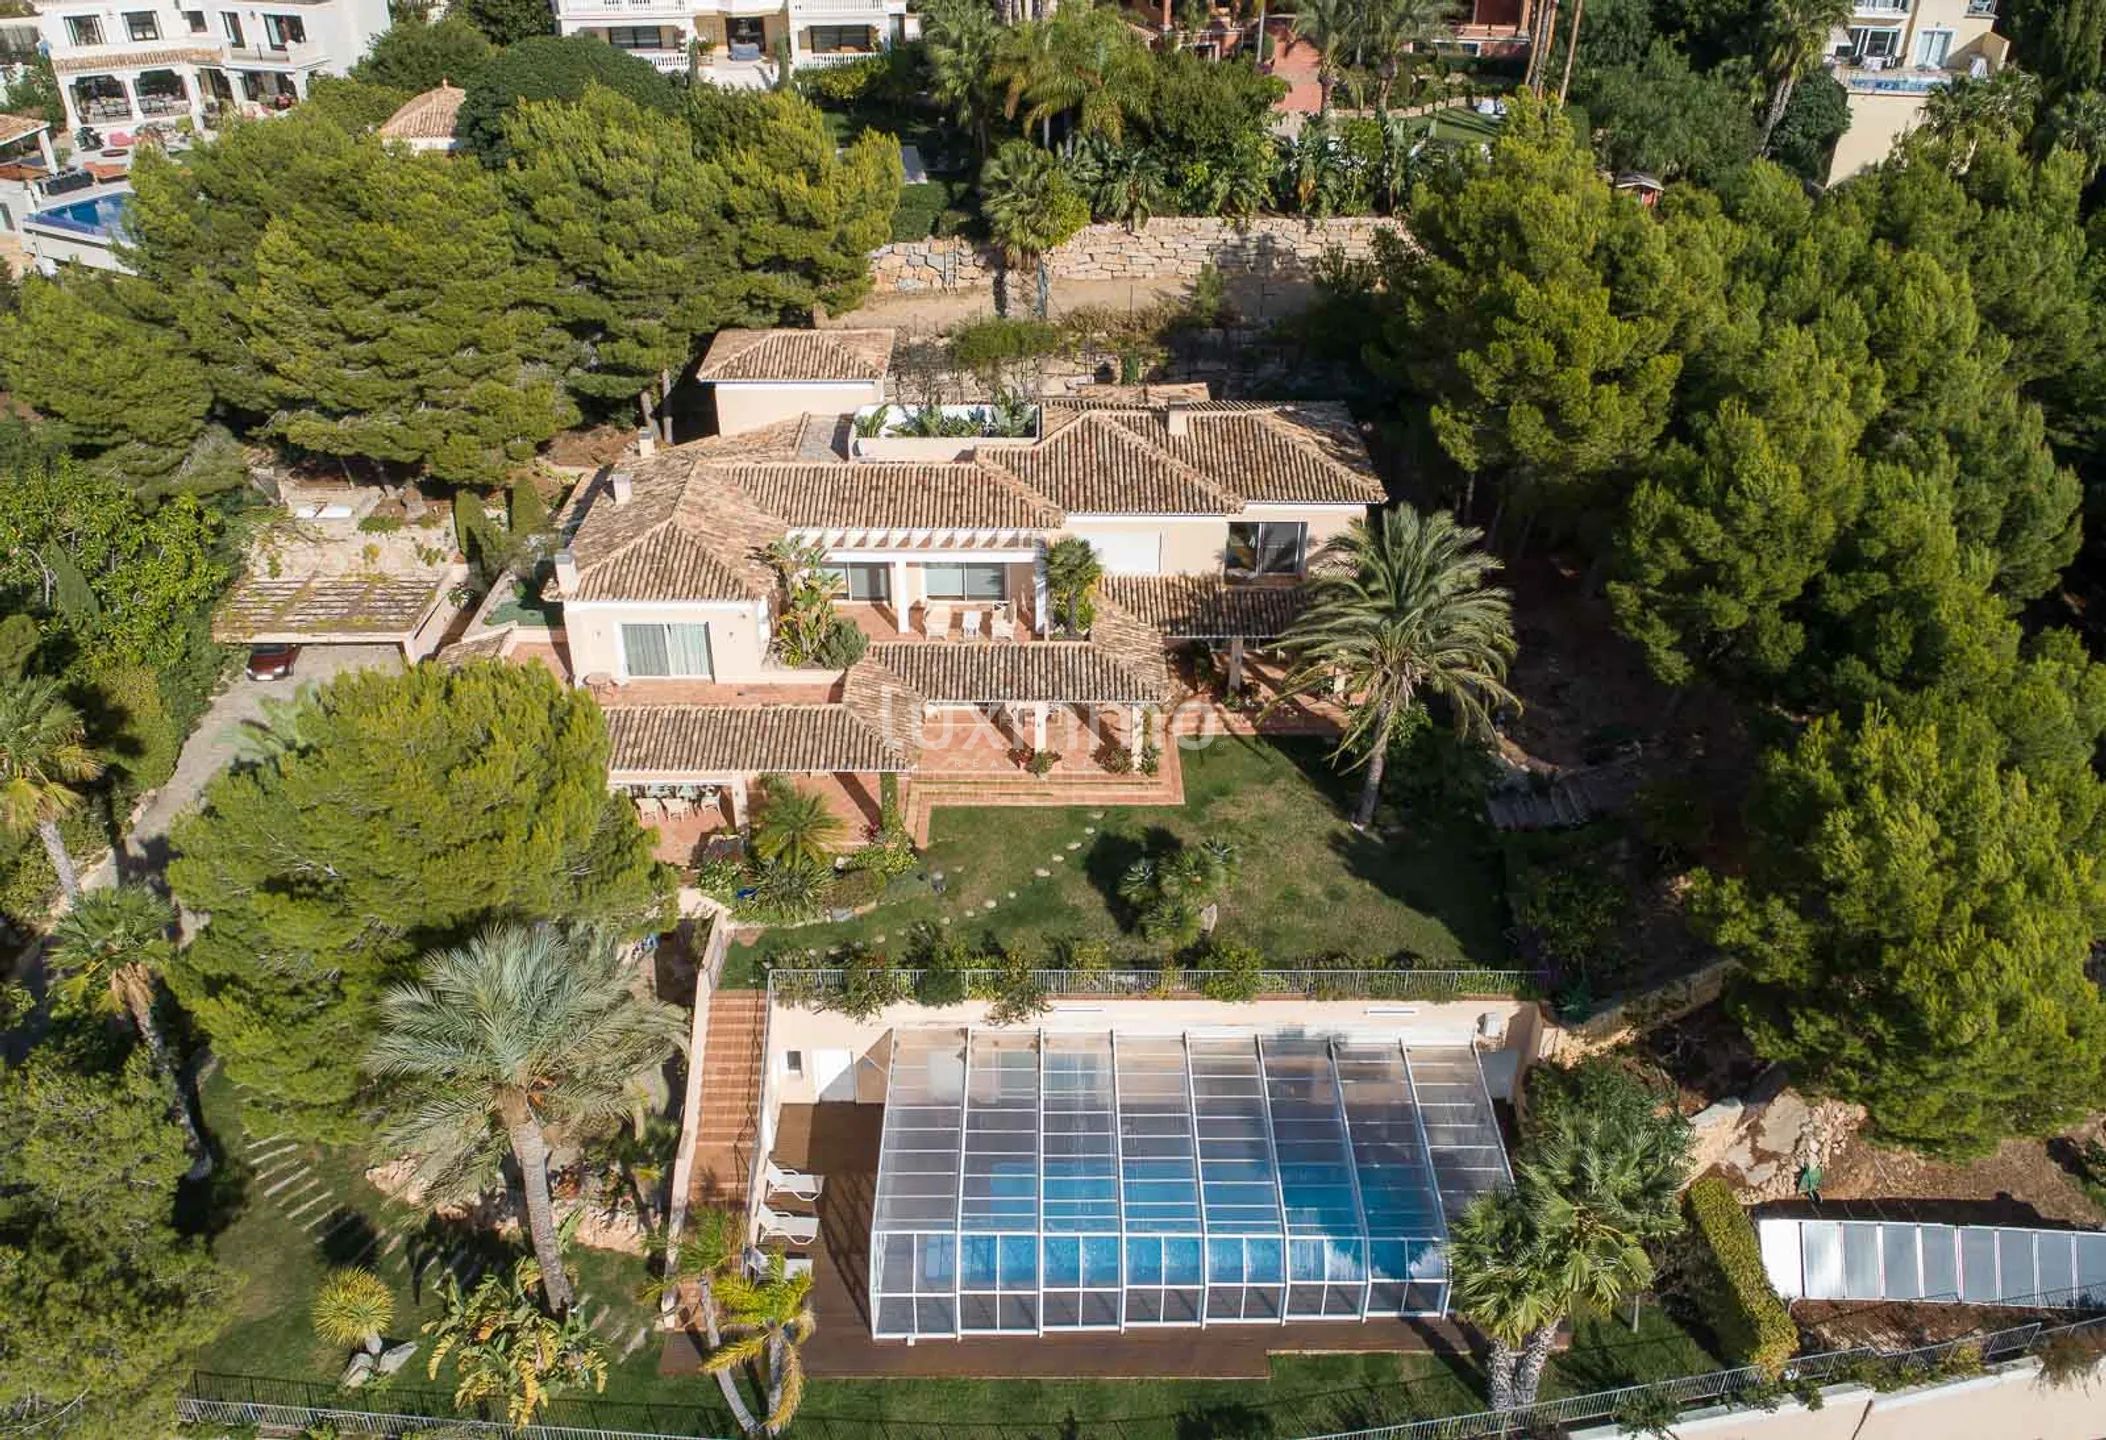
(940, 433)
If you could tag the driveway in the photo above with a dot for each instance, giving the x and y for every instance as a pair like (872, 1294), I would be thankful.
(217, 741)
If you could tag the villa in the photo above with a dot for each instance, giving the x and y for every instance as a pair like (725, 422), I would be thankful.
(739, 43)
(1203, 516)
(1890, 55)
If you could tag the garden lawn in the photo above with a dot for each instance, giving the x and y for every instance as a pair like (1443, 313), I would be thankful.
(279, 1254)
(1428, 890)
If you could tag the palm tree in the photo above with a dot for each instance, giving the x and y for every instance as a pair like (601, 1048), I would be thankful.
(1596, 1183)
(1396, 29)
(109, 950)
(706, 1253)
(776, 1312)
(1030, 206)
(1085, 63)
(1123, 182)
(43, 755)
(353, 1307)
(1504, 1283)
(2078, 123)
(521, 1028)
(1797, 31)
(1072, 575)
(960, 39)
(1395, 611)
(795, 827)
(1331, 26)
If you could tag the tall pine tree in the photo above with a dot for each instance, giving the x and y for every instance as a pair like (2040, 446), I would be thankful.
(400, 813)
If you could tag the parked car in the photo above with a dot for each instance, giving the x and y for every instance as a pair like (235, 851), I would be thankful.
(272, 662)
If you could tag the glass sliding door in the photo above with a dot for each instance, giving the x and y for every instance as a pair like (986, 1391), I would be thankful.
(666, 652)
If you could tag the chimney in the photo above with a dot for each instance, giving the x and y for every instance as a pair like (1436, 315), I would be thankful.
(566, 572)
(646, 442)
(1176, 416)
(623, 484)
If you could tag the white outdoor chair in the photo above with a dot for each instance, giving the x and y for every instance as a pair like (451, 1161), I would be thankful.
(970, 623)
(1001, 624)
(936, 620)
(793, 1182)
(797, 1229)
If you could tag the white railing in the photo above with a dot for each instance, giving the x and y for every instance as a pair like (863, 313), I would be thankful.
(665, 62)
(1920, 81)
(1880, 7)
(1981, 9)
(307, 52)
(822, 985)
(810, 58)
(598, 9)
(873, 10)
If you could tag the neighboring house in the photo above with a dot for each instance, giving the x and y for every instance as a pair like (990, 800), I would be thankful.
(1891, 55)
(1203, 515)
(161, 61)
(427, 122)
(737, 42)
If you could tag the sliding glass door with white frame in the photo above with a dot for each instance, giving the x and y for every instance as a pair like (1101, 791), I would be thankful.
(659, 652)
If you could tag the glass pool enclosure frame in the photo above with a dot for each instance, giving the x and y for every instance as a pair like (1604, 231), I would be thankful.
(1034, 1181)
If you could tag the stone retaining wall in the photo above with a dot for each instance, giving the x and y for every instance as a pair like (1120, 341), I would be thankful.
(1273, 247)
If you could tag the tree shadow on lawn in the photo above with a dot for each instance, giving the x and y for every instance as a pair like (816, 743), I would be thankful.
(1111, 856)
(460, 1247)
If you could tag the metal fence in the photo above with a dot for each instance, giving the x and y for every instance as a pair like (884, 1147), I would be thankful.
(298, 1404)
(291, 1404)
(818, 985)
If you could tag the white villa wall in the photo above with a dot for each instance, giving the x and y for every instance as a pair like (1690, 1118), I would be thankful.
(1446, 1022)
(1198, 544)
(737, 639)
(750, 405)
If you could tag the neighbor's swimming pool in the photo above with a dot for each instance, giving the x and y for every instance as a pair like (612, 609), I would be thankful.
(101, 218)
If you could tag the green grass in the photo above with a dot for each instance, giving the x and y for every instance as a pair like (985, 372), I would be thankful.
(1309, 884)
(280, 1262)
(1460, 123)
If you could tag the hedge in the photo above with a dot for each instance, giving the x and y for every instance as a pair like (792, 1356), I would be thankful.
(1751, 1323)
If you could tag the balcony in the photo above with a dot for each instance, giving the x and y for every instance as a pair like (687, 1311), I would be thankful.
(262, 52)
(829, 11)
(665, 62)
(622, 11)
(1981, 9)
(1864, 80)
(1887, 8)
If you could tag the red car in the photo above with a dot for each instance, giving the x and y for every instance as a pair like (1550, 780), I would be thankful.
(272, 662)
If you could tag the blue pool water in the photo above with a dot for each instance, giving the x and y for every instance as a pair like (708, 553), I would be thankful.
(101, 217)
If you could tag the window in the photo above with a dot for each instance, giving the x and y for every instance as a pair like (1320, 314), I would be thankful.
(1265, 548)
(967, 582)
(863, 581)
(1874, 43)
(284, 31)
(833, 39)
(84, 29)
(636, 37)
(231, 23)
(142, 25)
(1932, 46)
(662, 651)
(195, 19)
(793, 1061)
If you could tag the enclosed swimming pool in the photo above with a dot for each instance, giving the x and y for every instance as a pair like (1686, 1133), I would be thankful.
(99, 218)
(1100, 1181)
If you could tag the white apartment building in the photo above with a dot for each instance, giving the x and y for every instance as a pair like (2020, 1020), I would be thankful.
(137, 62)
(1891, 54)
(738, 40)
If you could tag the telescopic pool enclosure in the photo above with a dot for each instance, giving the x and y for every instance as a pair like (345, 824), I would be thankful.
(1050, 1180)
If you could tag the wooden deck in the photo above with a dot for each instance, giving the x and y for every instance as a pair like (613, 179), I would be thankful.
(840, 1142)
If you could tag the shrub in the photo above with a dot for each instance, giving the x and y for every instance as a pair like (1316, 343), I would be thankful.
(921, 211)
(1041, 762)
(132, 727)
(869, 984)
(1084, 956)
(720, 878)
(1114, 758)
(890, 820)
(380, 524)
(1232, 972)
(1751, 1323)
(785, 894)
(842, 645)
(841, 84)
(1151, 756)
(1018, 995)
(943, 959)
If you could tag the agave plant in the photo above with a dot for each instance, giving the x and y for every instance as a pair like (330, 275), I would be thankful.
(353, 1307)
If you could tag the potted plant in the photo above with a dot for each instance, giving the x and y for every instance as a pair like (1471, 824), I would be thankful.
(706, 49)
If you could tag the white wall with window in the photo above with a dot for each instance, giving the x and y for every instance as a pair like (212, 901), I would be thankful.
(665, 650)
(624, 641)
(1266, 547)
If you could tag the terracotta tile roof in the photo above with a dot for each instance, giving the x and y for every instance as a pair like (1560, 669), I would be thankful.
(331, 607)
(1096, 466)
(15, 127)
(797, 355)
(1204, 607)
(136, 59)
(885, 495)
(877, 727)
(429, 116)
(1285, 456)
(1080, 672)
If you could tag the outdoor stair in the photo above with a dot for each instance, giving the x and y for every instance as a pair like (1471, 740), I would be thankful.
(729, 1119)
(926, 792)
(1571, 797)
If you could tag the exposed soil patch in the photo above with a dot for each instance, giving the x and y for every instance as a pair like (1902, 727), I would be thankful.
(2019, 1177)
(590, 449)
(1898, 1325)
(1705, 1054)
